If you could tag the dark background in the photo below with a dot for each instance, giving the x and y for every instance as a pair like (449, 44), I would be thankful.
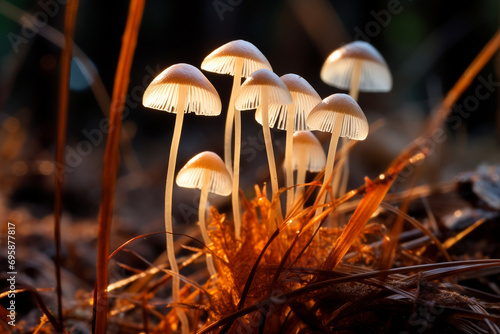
(427, 44)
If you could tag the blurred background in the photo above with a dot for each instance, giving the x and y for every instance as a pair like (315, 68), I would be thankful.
(427, 45)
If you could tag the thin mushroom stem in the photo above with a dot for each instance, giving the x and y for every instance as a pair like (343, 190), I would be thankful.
(237, 150)
(231, 109)
(330, 159)
(264, 98)
(301, 178)
(203, 225)
(290, 121)
(356, 75)
(338, 178)
(168, 204)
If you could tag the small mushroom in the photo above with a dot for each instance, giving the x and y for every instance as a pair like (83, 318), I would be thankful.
(292, 118)
(240, 59)
(207, 172)
(262, 89)
(340, 115)
(179, 89)
(308, 155)
(356, 66)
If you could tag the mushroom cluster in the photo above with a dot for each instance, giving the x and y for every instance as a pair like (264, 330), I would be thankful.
(288, 103)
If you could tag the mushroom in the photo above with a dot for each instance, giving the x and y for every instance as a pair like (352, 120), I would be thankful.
(240, 59)
(356, 66)
(207, 172)
(264, 88)
(292, 118)
(308, 155)
(179, 89)
(340, 115)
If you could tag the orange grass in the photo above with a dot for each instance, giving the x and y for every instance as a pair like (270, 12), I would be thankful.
(111, 162)
(62, 116)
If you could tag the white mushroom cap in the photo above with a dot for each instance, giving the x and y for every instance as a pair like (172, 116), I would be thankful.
(163, 92)
(375, 74)
(223, 59)
(305, 98)
(326, 113)
(305, 144)
(249, 94)
(193, 172)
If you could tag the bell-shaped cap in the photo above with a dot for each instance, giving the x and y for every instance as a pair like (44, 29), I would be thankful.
(375, 74)
(306, 145)
(223, 59)
(304, 97)
(249, 95)
(327, 112)
(206, 166)
(163, 92)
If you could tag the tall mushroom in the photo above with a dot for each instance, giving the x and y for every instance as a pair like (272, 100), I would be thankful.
(240, 59)
(207, 172)
(356, 67)
(308, 155)
(292, 118)
(179, 89)
(340, 115)
(264, 88)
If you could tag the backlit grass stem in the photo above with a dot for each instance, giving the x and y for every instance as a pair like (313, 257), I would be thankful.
(111, 161)
(62, 116)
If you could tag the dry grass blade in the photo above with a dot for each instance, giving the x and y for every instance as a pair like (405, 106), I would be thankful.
(41, 304)
(417, 224)
(476, 307)
(62, 116)
(466, 326)
(438, 274)
(390, 243)
(111, 162)
(453, 240)
(369, 203)
(170, 272)
(254, 270)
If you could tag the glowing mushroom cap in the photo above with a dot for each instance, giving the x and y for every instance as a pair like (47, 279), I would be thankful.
(327, 112)
(305, 98)
(193, 173)
(306, 145)
(375, 74)
(223, 59)
(249, 94)
(163, 92)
